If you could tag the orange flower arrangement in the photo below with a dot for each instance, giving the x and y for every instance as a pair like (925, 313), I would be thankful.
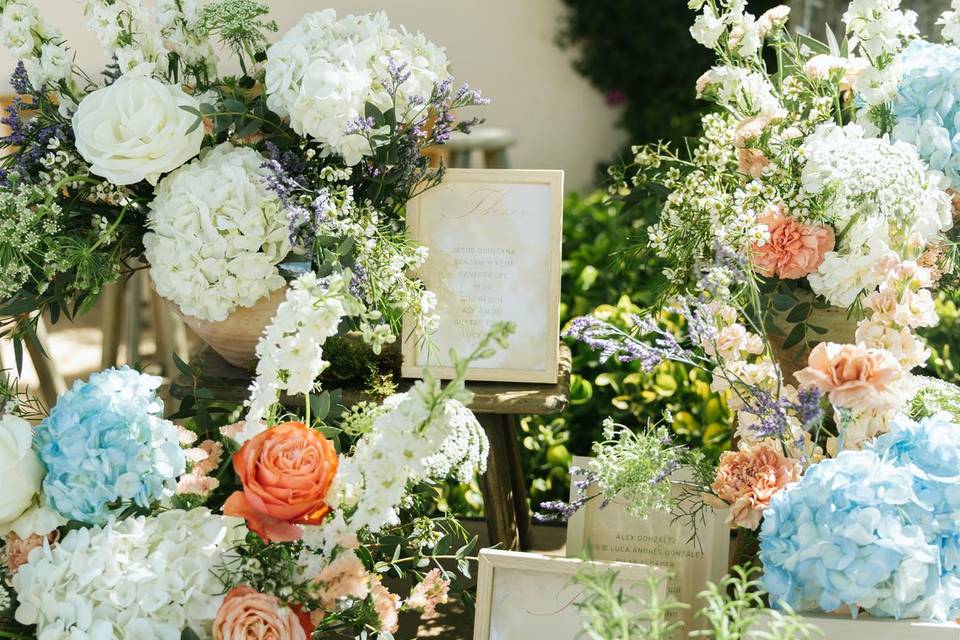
(286, 472)
(247, 614)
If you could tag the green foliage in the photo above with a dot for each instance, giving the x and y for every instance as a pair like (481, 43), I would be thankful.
(944, 341)
(650, 71)
(608, 613)
(594, 273)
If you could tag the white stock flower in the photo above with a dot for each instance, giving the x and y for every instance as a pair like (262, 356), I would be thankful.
(216, 234)
(290, 352)
(950, 21)
(879, 25)
(20, 469)
(324, 70)
(742, 91)
(909, 350)
(143, 577)
(134, 129)
(707, 28)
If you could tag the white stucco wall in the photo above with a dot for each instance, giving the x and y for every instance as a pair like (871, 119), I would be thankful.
(504, 47)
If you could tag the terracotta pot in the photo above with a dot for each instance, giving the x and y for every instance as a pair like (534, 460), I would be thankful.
(236, 337)
(840, 329)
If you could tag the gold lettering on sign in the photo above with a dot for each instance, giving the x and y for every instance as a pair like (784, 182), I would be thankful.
(485, 202)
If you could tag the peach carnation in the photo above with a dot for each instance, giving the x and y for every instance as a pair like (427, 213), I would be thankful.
(793, 250)
(852, 376)
(247, 614)
(387, 606)
(345, 577)
(748, 479)
(433, 590)
(752, 162)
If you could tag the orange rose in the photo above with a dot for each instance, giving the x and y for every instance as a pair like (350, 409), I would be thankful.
(247, 614)
(286, 472)
(853, 376)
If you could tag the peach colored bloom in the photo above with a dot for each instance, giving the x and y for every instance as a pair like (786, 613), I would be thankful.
(703, 82)
(387, 606)
(18, 550)
(793, 250)
(853, 376)
(433, 590)
(752, 128)
(231, 430)
(748, 479)
(345, 577)
(286, 472)
(752, 162)
(247, 614)
(187, 437)
(197, 485)
(210, 463)
(772, 18)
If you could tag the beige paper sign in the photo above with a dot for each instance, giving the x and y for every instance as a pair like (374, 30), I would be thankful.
(494, 241)
(612, 534)
(529, 596)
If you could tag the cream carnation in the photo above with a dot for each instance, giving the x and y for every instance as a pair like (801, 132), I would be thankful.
(324, 70)
(135, 129)
(136, 578)
(217, 234)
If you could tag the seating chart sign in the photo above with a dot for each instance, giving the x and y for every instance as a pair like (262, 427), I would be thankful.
(494, 255)
(611, 534)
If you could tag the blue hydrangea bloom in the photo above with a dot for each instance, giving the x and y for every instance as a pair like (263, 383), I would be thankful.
(875, 530)
(927, 106)
(106, 443)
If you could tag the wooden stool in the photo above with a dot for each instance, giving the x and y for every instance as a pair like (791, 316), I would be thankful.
(496, 405)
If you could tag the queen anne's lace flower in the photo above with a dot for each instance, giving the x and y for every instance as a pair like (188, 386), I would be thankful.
(105, 442)
(874, 530)
(877, 195)
(324, 70)
(217, 234)
(143, 577)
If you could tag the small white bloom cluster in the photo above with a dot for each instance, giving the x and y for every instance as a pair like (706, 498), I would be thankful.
(744, 92)
(179, 23)
(878, 195)
(143, 577)
(30, 39)
(422, 434)
(324, 70)
(746, 32)
(290, 352)
(950, 21)
(126, 30)
(217, 234)
(880, 26)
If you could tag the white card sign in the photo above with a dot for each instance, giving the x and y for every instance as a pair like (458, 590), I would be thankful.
(612, 534)
(530, 596)
(494, 255)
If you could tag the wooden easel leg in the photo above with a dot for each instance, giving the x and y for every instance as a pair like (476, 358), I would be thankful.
(497, 485)
(518, 482)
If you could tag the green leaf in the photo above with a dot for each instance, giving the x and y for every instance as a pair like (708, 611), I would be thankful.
(249, 129)
(234, 106)
(18, 353)
(799, 313)
(782, 301)
(190, 109)
(795, 337)
(371, 110)
(182, 366)
(320, 405)
(189, 634)
(820, 330)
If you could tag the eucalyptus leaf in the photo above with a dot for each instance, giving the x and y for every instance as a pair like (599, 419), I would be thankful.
(795, 336)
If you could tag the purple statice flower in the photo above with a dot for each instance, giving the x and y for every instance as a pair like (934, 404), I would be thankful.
(20, 80)
(771, 411)
(359, 125)
(359, 282)
(399, 72)
(666, 472)
(808, 407)
(558, 510)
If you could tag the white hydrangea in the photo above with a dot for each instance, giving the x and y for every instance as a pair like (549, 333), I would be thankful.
(31, 39)
(413, 440)
(144, 577)
(216, 234)
(290, 352)
(324, 70)
(878, 196)
(880, 26)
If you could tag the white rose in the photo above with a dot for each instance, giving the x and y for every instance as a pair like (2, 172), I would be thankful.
(135, 130)
(20, 469)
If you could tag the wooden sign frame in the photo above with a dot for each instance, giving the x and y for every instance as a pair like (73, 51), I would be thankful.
(561, 570)
(413, 364)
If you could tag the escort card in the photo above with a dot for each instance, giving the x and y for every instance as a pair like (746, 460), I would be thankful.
(611, 534)
(494, 255)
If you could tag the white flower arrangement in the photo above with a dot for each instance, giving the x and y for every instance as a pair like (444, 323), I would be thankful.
(217, 234)
(324, 70)
(118, 581)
